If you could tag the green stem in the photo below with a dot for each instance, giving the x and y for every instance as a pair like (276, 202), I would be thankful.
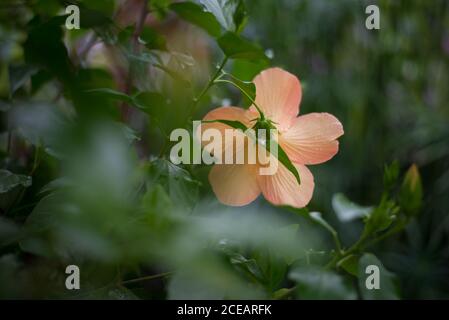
(398, 228)
(337, 242)
(146, 278)
(286, 293)
(343, 254)
(208, 85)
(262, 116)
(361, 244)
(330, 229)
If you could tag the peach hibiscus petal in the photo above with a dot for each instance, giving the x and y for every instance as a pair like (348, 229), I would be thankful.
(234, 185)
(278, 94)
(311, 139)
(225, 113)
(282, 188)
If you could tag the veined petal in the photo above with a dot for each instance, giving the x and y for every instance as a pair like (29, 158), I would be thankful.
(311, 139)
(282, 188)
(226, 113)
(234, 185)
(278, 94)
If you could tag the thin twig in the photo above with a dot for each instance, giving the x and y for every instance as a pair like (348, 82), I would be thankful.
(208, 85)
(146, 278)
(345, 253)
(286, 293)
(262, 116)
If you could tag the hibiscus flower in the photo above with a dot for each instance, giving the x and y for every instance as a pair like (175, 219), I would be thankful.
(307, 140)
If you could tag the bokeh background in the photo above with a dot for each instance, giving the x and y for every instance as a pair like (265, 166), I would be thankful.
(85, 175)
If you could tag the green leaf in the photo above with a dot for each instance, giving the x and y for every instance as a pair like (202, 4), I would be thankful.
(112, 94)
(193, 13)
(152, 39)
(45, 48)
(9, 231)
(157, 200)
(106, 7)
(237, 47)
(149, 101)
(289, 234)
(248, 266)
(240, 17)
(160, 7)
(321, 285)
(273, 267)
(51, 230)
(184, 60)
(316, 216)
(39, 123)
(381, 217)
(11, 270)
(125, 35)
(247, 70)
(130, 134)
(92, 18)
(391, 174)
(185, 285)
(411, 193)
(281, 155)
(281, 293)
(152, 103)
(181, 188)
(350, 264)
(177, 62)
(18, 76)
(232, 123)
(174, 74)
(45, 7)
(156, 106)
(157, 208)
(247, 86)
(9, 180)
(388, 289)
(43, 218)
(231, 14)
(58, 183)
(347, 210)
(285, 160)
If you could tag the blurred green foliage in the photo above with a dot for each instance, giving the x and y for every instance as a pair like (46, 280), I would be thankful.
(85, 178)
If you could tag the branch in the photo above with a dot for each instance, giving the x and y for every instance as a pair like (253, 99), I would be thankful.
(207, 87)
(146, 278)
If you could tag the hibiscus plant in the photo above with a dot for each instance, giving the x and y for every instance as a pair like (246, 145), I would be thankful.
(87, 178)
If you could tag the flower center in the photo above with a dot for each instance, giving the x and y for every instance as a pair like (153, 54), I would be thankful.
(265, 124)
(262, 128)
